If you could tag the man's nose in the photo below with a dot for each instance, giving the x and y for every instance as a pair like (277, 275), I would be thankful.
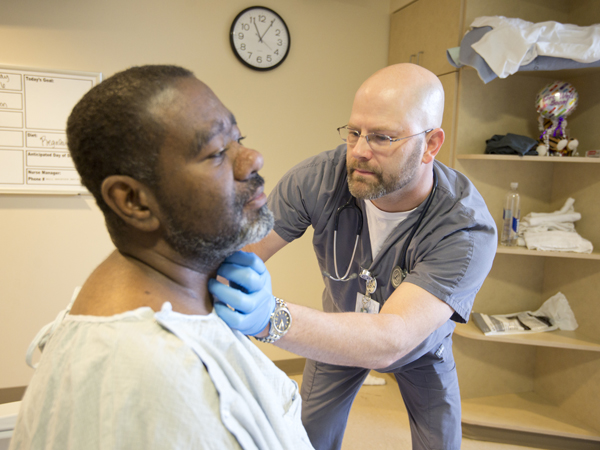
(362, 149)
(248, 162)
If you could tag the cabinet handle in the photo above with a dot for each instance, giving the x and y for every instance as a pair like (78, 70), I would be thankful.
(419, 58)
(411, 58)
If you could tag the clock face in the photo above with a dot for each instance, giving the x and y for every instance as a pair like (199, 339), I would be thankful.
(260, 38)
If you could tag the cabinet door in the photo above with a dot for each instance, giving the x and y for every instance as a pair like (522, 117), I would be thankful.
(422, 32)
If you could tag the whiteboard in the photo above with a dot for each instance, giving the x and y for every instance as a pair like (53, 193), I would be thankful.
(34, 107)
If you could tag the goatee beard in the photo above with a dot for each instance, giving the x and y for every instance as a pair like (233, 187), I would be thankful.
(364, 190)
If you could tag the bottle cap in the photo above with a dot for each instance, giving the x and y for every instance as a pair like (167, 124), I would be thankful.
(514, 185)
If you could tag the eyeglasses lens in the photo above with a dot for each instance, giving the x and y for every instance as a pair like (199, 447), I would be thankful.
(376, 141)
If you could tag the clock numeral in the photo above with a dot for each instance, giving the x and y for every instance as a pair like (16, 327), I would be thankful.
(276, 52)
(259, 59)
(277, 32)
(279, 42)
(246, 27)
(269, 59)
(249, 55)
(243, 47)
(240, 35)
(262, 18)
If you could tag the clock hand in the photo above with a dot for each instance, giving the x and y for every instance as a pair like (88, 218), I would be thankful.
(257, 32)
(270, 25)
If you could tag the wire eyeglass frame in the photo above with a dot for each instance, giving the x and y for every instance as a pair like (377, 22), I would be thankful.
(370, 137)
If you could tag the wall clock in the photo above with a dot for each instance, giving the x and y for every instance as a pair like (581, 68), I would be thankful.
(259, 38)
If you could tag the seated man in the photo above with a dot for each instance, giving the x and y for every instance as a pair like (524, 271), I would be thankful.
(140, 360)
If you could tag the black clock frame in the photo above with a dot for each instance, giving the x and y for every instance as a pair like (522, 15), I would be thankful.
(240, 58)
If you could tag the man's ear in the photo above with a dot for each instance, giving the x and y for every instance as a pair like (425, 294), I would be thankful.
(435, 139)
(132, 201)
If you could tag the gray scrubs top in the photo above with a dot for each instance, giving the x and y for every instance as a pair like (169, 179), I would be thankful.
(449, 256)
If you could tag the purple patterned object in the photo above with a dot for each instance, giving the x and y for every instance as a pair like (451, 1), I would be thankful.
(557, 100)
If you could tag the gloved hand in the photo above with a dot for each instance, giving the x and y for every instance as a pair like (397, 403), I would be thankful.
(248, 293)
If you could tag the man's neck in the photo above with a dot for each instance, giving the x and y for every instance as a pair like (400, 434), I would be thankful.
(127, 281)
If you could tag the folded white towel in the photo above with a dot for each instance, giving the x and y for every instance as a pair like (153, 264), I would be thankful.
(557, 241)
(535, 219)
(548, 226)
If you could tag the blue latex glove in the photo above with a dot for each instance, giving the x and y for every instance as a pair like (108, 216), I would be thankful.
(248, 293)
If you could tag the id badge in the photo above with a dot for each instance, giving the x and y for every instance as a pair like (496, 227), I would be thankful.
(366, 304)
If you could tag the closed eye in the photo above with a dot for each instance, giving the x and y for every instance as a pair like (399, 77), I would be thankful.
(219, 154)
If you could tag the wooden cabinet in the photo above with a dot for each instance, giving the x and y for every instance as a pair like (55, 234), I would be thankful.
(544, 389)
(422, 31)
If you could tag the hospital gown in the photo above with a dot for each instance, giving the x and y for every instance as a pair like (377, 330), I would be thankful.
(146, 380)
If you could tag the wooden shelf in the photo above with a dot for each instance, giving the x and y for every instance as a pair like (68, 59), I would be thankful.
(557, 74)
(526, 412)
(526, 252)
(571, 340)
(552, 159)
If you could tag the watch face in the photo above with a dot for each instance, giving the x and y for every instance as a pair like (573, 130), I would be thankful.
(281, 320)
(260, 38)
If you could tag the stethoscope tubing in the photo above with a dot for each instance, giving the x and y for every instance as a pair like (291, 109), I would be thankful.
(351, 203)
(402, 258)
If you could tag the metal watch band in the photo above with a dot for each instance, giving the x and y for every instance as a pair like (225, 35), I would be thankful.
(275, 335)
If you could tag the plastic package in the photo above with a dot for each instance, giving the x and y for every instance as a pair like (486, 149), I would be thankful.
(554, 314)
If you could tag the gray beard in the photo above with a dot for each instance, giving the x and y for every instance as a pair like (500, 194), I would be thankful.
(369, 192)
(206, 255)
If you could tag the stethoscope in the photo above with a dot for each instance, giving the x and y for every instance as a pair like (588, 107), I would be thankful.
(400, 271)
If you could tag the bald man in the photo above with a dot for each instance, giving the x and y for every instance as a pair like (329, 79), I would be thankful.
(404, 244)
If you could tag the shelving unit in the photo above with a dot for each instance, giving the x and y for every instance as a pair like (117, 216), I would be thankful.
(544, 389)
(524, 251)
(572, 340)
(530, 413)
(548, 159)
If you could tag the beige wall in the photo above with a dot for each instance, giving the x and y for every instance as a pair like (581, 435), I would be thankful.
(49, 244)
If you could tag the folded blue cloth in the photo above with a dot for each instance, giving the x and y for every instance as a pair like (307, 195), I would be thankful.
(511, 144)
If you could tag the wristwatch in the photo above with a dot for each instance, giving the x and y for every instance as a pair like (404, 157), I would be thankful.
(281, 321)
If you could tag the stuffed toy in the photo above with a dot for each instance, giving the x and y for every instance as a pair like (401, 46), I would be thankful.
(553, 140)
(553, 104)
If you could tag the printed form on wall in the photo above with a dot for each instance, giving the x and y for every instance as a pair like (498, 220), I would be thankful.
(34, 107)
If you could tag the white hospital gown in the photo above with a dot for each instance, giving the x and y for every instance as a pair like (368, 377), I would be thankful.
(146, 380)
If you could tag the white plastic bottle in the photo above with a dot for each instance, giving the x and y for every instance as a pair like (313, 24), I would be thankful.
(511, 215)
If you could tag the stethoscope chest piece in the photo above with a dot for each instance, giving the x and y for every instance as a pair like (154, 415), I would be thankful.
(398, 276)
(370, 280)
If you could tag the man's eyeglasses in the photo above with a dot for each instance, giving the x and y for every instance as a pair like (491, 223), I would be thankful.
(376, 141)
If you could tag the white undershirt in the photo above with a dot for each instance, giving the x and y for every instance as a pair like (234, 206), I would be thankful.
(381, 224)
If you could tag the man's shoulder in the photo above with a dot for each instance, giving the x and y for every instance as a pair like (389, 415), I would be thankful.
(128, 342)
(460, 195)
(323, 162)
(110, 374)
